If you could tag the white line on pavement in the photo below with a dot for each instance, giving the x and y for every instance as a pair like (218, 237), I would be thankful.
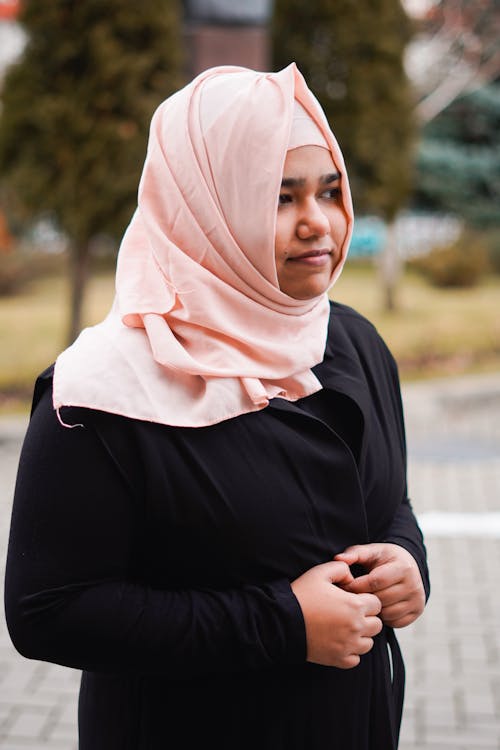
(436, 523)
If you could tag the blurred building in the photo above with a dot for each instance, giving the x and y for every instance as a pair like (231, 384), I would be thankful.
(217, 32)
(227, 32)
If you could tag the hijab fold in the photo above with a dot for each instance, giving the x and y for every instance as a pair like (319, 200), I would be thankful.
(199, 330)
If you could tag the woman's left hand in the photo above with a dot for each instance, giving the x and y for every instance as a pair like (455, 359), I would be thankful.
(393, 576)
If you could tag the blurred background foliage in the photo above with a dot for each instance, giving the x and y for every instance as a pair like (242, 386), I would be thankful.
(351, 54)
(75, 115)
(414, 100)
(458, 160)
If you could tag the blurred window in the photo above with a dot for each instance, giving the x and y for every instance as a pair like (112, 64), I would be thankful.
(245, 12)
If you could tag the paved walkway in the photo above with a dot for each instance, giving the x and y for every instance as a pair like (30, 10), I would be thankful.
(452, 653)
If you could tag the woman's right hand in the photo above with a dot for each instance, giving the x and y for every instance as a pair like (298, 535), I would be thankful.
(339, 626)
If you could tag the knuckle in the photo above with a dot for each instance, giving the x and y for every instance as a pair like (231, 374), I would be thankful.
(377, 604)
(342, 566)
(378, 625)
(350, 661)
(356, 604)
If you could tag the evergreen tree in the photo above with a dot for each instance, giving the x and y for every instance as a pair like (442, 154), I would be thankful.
(76, 110)
(351, 54)
(458, 165)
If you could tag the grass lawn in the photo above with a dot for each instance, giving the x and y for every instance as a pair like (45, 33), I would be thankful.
(434, 332)
(33, 328)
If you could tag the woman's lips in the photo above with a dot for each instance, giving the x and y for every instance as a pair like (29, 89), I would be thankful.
(312, 257)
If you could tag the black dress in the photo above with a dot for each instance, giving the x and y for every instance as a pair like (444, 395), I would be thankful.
(158, 560)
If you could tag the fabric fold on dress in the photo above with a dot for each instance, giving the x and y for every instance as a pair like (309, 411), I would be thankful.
(199, 330)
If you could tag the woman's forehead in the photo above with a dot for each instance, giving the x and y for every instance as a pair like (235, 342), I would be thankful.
(307, 162)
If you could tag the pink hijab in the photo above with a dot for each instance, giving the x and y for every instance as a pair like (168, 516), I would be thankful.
(199, 331)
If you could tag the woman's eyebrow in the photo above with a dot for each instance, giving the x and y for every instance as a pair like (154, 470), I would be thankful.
(290, 182)
(326, 179)
(294, 182)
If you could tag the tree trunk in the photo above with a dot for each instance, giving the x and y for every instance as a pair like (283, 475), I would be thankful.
(390, 268)
(79, 272)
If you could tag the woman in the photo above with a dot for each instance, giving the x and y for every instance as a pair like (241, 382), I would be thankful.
(223, 541)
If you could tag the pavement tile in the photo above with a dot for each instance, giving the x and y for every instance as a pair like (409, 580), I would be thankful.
(475, 737)
(30, 722)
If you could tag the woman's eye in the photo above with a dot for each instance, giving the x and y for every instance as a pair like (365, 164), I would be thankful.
(332, 193)
(284, 198)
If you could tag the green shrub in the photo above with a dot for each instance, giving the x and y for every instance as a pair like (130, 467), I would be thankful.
(460, 264)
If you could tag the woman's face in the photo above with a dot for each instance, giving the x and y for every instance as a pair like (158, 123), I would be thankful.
(311, 223)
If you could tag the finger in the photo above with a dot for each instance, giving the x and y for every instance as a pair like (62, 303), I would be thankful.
(363, 554)
(370, 603)
(347, 556)
(380, 578)
(338, 572)
(399, 616)
(387, 597)
(350, 554)
(402, 622)
(408, 606)
(392, 595)
(360, 585)
(373, 626)
(365, 645)
(396, 611)
(348, 662)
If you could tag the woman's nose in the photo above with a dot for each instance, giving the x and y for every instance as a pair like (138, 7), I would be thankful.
(312, 222)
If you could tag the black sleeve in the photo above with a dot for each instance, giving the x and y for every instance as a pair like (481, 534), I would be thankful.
(404, 529)
(71, 593)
